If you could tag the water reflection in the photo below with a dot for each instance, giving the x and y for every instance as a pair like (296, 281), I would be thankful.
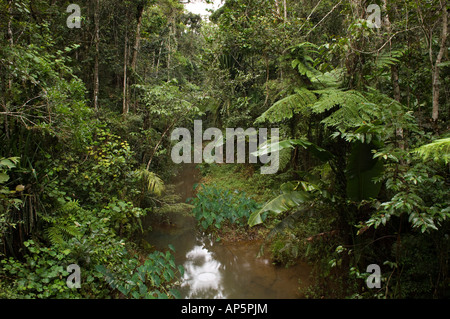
(215, 270)
(202, 277)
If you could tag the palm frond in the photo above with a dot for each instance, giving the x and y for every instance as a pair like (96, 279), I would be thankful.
(152, 182)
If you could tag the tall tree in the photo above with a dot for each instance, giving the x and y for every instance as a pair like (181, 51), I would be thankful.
(97, 53)
(436, 65)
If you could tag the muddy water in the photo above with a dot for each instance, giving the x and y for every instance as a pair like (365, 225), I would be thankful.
(217, 270)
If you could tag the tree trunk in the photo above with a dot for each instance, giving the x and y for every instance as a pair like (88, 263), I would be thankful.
(394, 78)
(125, 107)
(159, 58)
(137, 38)
(277, 7)
(97, 42)
(9, 37)
(395, 85)
(435, 67)
(134, 58)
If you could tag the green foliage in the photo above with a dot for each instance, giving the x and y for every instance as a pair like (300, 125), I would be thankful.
(422, 261)
(354, 110)
(438, 150)
(58, 234)
(285, 108)
(165, 100)
(303, 60)
(308, 234)
(151, 181)
(123, 216)
(417, 192)
(42, 275)
(8, 202)
(5, 165)
(314, 149)
(352, 103)
(106, 169)
(154, 278)
(214, 207)
(289, 198)
(242, 178)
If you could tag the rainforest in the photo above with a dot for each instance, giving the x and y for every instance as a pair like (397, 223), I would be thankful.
(105, 195)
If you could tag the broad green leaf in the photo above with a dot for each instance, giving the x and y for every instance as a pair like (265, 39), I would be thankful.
(3, 177)
(315, 150)
(175, 293)
(279, 204)
(7, 162)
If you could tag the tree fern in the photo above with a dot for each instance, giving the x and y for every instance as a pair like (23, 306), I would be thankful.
(284, 109)
(374, 116)
(305, 64)
(301, 101)
(332, 97)
(304, 67)
(332, 79)
(277, 146)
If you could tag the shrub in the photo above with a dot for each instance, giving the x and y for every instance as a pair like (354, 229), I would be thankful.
(154, 278)
(215, 207)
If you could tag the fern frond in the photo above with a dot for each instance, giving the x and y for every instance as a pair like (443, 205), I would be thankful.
(60, 233)
(305, 68)
(332, 79)
(284, 109)
(438, 150)
(54, 235)
(330, 98)
(354, 108)
(388, 58)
